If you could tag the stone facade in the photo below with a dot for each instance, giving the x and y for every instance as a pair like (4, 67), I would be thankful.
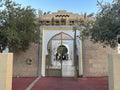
(95, 62)
(62, 17)
(21, 65)
(96, 59)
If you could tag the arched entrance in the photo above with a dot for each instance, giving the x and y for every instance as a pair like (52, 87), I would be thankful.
(62, 53)
(60, 58)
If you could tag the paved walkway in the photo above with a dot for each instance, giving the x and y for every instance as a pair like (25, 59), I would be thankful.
(21, 83)
(58, 83)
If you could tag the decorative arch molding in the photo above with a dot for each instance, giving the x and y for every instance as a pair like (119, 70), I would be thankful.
(59, 36)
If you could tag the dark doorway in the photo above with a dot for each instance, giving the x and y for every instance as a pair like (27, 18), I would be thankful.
(62, 52)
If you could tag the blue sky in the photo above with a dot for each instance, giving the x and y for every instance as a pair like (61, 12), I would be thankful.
(75, 6)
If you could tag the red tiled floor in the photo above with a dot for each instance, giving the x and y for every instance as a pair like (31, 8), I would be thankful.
(21, 83)
(57, 83)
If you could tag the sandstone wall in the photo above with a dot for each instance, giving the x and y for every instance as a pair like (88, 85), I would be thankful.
(96, 59)
(21, 65)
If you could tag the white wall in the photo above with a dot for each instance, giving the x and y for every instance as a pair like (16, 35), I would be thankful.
(47, 35)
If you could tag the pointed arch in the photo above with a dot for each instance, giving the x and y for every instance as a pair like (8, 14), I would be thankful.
(58, 36)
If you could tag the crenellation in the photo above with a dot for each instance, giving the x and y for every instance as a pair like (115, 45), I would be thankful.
(62, 16)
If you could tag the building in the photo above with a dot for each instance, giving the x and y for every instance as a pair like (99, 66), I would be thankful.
(60, 52)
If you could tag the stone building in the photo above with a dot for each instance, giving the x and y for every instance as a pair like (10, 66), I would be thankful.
(61, 18)
(60, 53)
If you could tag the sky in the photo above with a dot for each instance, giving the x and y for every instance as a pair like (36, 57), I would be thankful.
(75, 6)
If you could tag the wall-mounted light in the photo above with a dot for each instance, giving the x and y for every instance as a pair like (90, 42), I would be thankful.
(29, 61)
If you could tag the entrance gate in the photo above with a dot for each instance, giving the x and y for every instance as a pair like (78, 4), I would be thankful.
(60, 58)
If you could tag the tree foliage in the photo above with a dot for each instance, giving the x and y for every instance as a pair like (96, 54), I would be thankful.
(17, 26)
(85, 25)
(107, 24)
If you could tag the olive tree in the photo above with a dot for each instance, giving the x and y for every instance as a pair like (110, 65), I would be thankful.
(18, 26)
(107, 24)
